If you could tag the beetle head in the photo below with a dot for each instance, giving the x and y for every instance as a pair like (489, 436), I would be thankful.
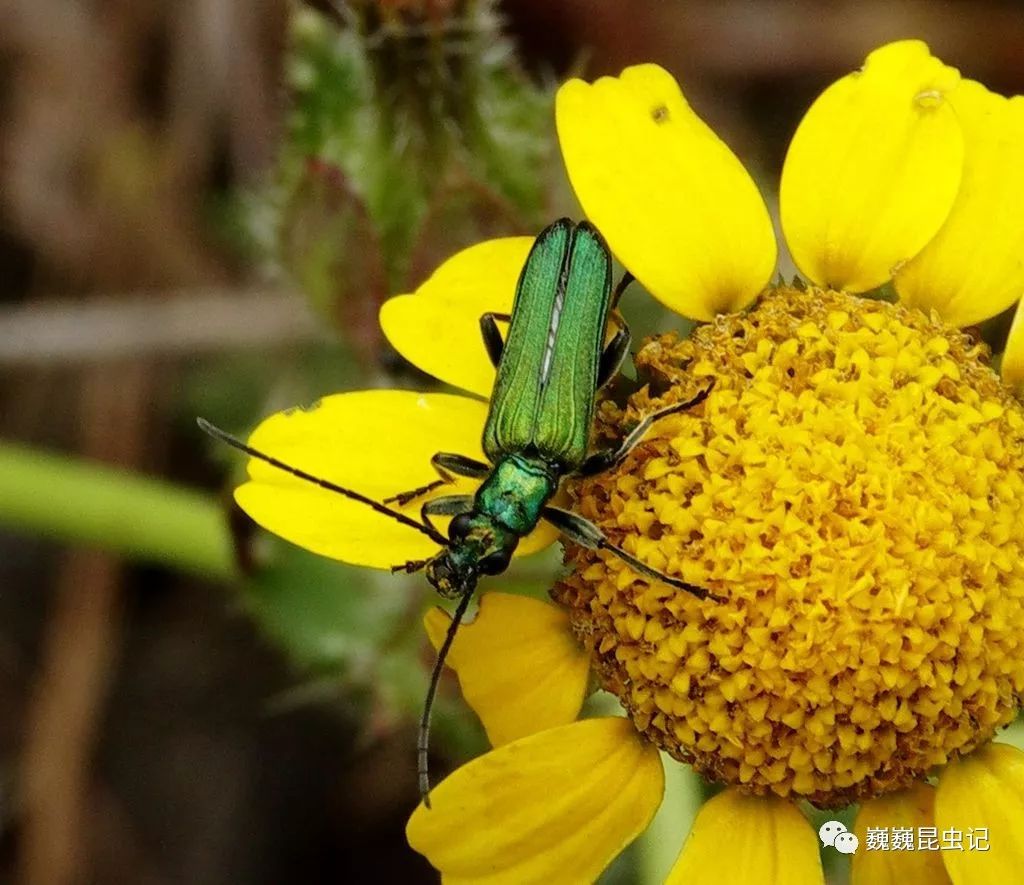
(476, 547)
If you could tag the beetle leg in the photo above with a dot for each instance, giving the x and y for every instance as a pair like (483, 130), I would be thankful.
(493, 341)
(613, 355)
(448, 505)
(413, 565)
(461, 465)
(618, 347)
(583, 532)
(624, 283)
(609, 458)
(446, 464)
(403, 498)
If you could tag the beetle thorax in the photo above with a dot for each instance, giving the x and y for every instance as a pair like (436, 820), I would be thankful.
(515, 493)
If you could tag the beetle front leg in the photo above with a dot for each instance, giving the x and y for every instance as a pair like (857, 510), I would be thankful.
(446, 464)
(410, 567)
(448, 505)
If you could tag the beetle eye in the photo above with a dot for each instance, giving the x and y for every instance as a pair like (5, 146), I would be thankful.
(459, 527)
(494, 563)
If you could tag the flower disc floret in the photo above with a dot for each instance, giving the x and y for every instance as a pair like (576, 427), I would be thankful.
(852, 489)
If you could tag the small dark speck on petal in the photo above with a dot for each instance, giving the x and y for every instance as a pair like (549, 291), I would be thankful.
(659, 114)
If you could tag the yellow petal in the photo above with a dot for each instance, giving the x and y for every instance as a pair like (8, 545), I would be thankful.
(906, 811)
(746, 840)
(974, 267)
(984, 790)
(438, 328)
(519, 666)
(676, 206)
(1013, 356)
(555, 807)
(873, 169)
(377, 442)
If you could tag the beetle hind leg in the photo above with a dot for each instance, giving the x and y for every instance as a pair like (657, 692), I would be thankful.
(609, 458)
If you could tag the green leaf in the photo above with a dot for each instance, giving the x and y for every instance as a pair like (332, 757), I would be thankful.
(329, 617)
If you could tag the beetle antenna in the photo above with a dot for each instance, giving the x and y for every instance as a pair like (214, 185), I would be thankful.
(423, 738)
(235, 442)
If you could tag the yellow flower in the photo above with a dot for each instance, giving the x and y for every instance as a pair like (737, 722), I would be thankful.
(852, 490)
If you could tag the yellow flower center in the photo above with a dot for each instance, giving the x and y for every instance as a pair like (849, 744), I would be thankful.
(853, 489)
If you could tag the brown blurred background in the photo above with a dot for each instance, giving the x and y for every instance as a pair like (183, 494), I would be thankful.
(143, 736)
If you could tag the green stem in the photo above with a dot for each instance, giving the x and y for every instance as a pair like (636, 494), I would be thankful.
(94, 505)
(662, 841)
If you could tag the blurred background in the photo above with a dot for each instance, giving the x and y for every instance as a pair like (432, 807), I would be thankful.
(202, 206)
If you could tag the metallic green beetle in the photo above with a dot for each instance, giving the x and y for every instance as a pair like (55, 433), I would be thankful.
(549, 368)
